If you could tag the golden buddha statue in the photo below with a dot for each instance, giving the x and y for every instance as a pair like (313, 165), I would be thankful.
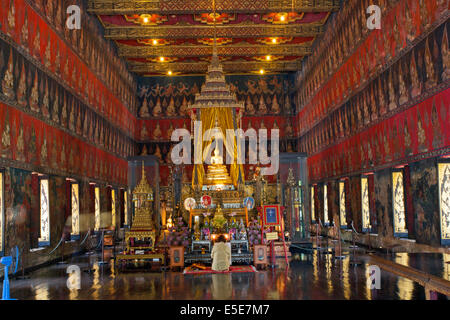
(217, 171)
(8, 79)
(219, 220)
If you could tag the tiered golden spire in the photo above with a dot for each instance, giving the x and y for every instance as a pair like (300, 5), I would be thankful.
(215, 92)
(143, 187)
(143, 192)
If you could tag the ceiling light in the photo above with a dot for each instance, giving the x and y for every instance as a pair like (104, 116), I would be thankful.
(145, 19)
(283, 17)
(261, 71)
(274, 40)
(161, 59)
(169, 73)
(155, 42)
(268, 58)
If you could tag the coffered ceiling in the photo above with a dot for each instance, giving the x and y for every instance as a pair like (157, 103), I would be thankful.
(160, 37)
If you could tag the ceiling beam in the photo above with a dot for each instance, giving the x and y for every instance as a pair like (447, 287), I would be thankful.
(206, 51)
(228, 67)
(119, 7)
(227, 31)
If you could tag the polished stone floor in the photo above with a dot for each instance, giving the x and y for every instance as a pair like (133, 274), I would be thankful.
(310, 276)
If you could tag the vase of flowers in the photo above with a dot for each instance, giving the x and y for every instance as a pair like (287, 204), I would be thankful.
(178, 234)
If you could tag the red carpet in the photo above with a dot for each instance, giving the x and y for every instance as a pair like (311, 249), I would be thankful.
(233, 269)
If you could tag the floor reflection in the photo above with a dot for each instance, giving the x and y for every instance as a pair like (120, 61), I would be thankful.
(310, 276)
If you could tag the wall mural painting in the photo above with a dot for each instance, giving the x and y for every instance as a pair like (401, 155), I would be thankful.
(169, 97)
(342, 211)
(75, 217)
(398, 205)
(420, 129)
(44, 238)
(350, 135)
(54, 149)
(444, 201)
(365, 206)
(82, 58)
(27, 88)
(337, 67)
(325, 205)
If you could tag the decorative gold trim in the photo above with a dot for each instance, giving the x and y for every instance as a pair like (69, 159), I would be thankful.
(201, 6)
(225, 31)
(199, 51)
(202, 67)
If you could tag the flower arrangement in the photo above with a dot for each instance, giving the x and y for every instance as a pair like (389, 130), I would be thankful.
(178, 234)
(254, 233)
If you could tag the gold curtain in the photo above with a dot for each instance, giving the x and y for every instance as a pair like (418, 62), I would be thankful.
(225, 121)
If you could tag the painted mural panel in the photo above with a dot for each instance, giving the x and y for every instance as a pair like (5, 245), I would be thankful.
(365, 204)
(75, 209)
(325, 205)
(398, 202)
(444, 201)
(44, 238)
(342, 213)
(125, 207)
(97, 208)
(113, 207)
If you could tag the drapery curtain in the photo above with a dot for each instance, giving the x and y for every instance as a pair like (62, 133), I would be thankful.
(225, 121)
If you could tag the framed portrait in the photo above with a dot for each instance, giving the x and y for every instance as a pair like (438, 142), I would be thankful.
(271, 215)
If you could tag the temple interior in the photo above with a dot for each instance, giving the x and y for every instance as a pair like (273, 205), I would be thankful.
(311, 136)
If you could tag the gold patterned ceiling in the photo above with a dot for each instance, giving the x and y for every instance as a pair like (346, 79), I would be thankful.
(160, 37)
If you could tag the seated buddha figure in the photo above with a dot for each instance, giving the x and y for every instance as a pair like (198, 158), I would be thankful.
(217, 171)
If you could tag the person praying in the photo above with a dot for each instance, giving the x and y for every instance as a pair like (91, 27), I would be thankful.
(221, 255)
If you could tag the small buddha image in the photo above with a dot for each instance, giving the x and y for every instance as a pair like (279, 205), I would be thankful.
(46, 102)
(157, 133)
(157, 110)
(34, 96)
(275, 106)
(445, 57)
(20, 144)
(8, 78)
(262, 108)
(416, 85)
(392, 96)
(158, 154)
(436, 125)
(22, 88)
(55, 109)
(421, 135)
(287, 105)
(429, 67)
(169, 132)
(47, 54)
(144, 132)
(403, 94)
(289, 130)
(6, 138)
(183, 107)
(24, 33)
(144, 151)
(11, 25)
(171, 111)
